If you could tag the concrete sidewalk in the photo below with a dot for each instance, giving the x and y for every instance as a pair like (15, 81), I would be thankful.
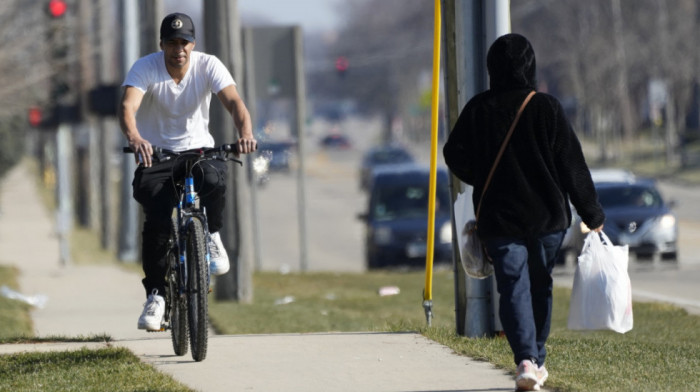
(96, 299)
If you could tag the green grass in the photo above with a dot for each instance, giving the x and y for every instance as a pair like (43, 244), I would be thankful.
(662, 352)
(113, 369)
(81, 370)
(335, 302)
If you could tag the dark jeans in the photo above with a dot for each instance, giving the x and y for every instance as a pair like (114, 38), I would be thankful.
(523, 270)
(154, 190)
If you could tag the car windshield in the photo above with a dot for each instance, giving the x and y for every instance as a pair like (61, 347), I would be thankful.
(390, 156)
(629, 196)
(407, 201)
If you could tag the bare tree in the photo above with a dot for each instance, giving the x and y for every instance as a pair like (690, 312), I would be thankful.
(604, 53)
(22, 53)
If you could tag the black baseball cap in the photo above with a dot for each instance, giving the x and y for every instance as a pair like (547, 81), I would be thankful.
(177, 25)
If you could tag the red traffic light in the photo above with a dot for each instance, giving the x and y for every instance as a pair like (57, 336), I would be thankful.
(341, 64)
(34, 116)
(57, 8)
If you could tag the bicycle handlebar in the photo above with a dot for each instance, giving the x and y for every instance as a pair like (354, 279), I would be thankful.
(227, 148)
(161, 154)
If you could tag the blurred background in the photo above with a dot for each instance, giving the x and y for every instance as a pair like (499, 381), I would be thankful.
(360, 75)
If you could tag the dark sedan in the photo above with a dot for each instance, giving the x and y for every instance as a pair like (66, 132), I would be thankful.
(397, 217)
(381, 156)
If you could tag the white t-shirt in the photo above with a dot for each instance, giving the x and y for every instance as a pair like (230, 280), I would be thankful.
(176, 116)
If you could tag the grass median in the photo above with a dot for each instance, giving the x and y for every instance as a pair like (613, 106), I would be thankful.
(662, 352)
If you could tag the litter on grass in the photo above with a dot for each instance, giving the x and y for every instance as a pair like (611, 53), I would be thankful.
(37, 300)
(285, 300)
(388, 290)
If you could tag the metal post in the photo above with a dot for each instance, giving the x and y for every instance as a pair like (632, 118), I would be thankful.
(221, 27)
(497, 24)
(470, 28)
(128, 231)
(300, 91)
(246, 222)
(497, 19)
(452, 42)
(64, 215)
(252, 104)
(105, 127)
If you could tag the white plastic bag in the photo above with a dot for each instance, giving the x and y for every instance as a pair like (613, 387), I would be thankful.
(471, 253)
(602, 293)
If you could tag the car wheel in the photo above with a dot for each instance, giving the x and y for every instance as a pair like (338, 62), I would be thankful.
(670, 256)
(646, 257)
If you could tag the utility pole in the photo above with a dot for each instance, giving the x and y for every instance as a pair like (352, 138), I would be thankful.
(251, 100)
(300, 129)
(470, 27)
(104, 50)
(128, 231)
(223, 39)
(88, 162)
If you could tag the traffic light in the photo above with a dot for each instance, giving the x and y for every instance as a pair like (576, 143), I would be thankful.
(34, 116)
(57, 8)
(64, 79)
(341, 65)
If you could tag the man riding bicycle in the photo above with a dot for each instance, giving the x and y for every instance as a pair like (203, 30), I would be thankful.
(165, 103)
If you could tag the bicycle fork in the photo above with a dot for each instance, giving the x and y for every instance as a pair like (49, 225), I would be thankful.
(185, 216)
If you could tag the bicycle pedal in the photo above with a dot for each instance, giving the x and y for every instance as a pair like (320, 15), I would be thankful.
(210, 290)
(162, 329)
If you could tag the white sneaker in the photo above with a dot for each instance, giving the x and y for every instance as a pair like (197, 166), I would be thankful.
(526, 377)
(542, 375)
(218, 262)
(153, 310)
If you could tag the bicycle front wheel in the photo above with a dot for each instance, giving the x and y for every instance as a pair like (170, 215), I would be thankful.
(177, 302)
(197, 289)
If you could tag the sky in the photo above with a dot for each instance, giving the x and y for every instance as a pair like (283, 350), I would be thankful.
(309, 14)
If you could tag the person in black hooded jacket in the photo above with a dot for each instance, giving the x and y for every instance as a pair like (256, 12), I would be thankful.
(525, 210)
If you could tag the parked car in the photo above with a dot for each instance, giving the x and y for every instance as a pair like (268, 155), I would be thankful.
(636, 215)
(396, 220)
(381, 156)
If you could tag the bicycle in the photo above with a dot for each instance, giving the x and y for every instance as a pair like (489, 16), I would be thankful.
(188, 277)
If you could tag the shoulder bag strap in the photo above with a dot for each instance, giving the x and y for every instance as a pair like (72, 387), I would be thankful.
(500, 152)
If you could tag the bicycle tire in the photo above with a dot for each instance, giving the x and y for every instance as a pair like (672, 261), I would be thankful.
(177, 303)
(197, 289)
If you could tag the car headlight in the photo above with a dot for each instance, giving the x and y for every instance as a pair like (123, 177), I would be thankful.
(382, 235)
(667, 221)
(446, 233)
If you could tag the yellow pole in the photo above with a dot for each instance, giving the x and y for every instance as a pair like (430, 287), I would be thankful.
(435, 100)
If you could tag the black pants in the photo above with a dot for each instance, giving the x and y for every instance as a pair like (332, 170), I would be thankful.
(154, 190)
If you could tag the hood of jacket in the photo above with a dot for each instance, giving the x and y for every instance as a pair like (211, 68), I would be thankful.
(511, 63)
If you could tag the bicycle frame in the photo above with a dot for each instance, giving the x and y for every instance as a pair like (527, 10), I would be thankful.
(186, 210)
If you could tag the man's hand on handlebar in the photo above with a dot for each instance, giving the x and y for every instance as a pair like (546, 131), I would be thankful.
(246, 145)
(142, 151)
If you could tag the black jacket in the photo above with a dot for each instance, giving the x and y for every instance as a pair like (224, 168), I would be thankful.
(543, 166)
